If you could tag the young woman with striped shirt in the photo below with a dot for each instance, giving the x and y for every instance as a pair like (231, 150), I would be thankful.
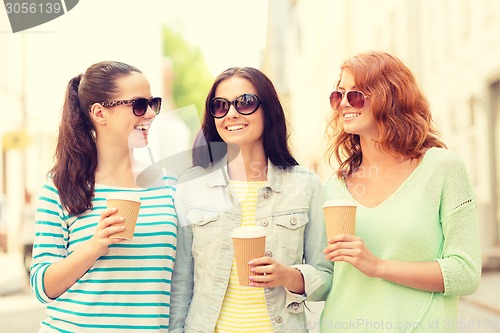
(90, 281)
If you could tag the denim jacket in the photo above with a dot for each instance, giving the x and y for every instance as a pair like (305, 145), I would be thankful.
(289, 206)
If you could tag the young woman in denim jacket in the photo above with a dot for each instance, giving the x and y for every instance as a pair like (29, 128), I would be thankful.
(250, 178)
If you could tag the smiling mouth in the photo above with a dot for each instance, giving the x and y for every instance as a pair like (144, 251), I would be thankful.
(235, 127)
(351, 115)
(143, 128)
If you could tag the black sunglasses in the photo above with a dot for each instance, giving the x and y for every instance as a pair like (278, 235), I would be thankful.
(245, 104)
(139, 105)
(355, 98)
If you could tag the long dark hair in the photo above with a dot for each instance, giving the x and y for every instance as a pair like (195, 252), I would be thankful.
(399, 107)
(76, 150)
(275, 137)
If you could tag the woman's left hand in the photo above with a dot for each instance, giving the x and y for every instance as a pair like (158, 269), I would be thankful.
(267, 272)
(353, 250)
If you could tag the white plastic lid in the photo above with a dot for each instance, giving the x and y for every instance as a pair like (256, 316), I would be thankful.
(248, 232)
(129, 196)
(340, 202)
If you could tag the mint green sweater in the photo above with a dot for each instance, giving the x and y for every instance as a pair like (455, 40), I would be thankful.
(431, 216)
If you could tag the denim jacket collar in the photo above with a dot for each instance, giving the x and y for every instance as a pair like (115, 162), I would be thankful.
(274, 175)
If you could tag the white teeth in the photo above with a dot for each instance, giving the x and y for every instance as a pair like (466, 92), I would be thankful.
(141, 127)
(235, 127)
(351, 115)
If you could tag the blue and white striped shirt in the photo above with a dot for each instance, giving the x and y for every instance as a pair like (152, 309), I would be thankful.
(126, 290)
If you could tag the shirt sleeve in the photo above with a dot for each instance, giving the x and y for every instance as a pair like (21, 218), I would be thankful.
(50, 241)
(461, 256)
(316, 270)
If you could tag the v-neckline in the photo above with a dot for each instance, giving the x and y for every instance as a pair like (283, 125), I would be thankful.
(398, 189)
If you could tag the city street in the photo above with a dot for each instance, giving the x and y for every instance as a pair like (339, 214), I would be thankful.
(478, 313)
(474, 319)
(67, 145)
(20, 313)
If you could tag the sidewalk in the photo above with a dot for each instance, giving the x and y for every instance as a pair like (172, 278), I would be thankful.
(487, 297)
(13, 277)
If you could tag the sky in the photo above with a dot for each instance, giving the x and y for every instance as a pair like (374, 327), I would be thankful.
(228, 32)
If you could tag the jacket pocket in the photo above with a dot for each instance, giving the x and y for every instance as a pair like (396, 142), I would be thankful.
(205, 227)
(291, 229)
(201, 217)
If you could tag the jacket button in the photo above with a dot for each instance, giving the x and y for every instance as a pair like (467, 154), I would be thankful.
(295, 305)
(266, 195)
(268, 254)
(293, 221)
(279, 319)
(264, 223)
(200, 218)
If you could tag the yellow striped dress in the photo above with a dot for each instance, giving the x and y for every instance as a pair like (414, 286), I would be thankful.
(244, 308)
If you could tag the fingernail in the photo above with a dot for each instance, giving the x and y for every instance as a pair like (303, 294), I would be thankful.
(250, 262)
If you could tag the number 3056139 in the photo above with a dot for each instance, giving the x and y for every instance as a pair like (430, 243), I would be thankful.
(33, 8)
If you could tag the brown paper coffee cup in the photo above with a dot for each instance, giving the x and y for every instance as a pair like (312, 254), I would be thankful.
(127, 205)
(249, 243)
(340, 217)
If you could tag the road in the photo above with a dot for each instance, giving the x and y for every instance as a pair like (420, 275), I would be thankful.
(20, 313)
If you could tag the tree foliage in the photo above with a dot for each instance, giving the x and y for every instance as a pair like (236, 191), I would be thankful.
(192, 79)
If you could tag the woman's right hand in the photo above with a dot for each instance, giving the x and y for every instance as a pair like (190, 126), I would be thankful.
(352, 249)
(61, 275)
(106, 227)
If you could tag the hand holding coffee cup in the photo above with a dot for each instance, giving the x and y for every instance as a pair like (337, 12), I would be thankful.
(249, 243)
(340, 217)
(127, 205)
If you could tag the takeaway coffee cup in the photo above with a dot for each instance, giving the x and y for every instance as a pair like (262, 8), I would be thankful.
(249, 243)
(340, 217)
(127, 205)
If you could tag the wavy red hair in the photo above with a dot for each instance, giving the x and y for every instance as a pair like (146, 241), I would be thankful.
(399, 107)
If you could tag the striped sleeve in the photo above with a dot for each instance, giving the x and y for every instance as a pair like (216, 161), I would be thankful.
(51, 238)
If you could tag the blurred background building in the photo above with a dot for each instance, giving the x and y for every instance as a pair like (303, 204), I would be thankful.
(452, 46)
